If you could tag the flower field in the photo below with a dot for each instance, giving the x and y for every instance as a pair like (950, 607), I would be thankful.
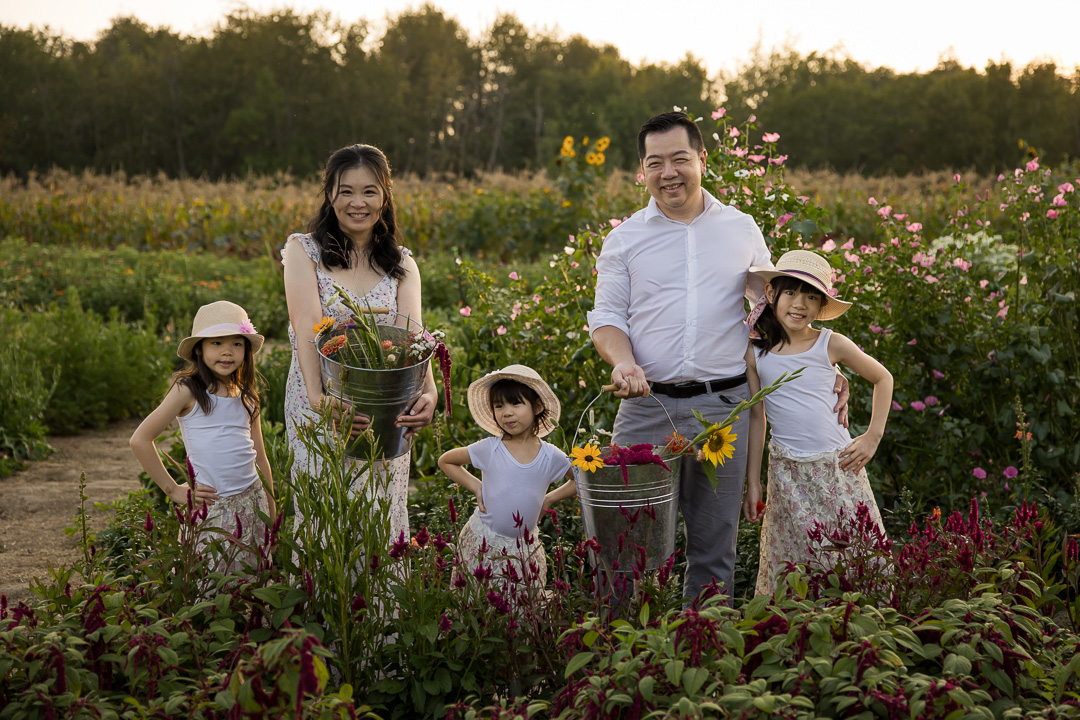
(964, 287)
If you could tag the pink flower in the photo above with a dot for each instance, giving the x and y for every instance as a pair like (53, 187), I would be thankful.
(466, 311)
(1003, 312)
(828, 246)
(247, 328)
(956, 177)
(1051, 214)
(930, 401)
(931, 279)
(1010, 472)
(770, 137)
(848, 245)
(752, 118)
(871, 201)
(718, 113)
(513, 276)
(874, 329)
(983, 284)
(912, 341)
(918, 405)
(897, 406)
(500, 330)
(756, 158)
(614, 222)
(734, 132)
(938, 375)
(1066, 187)
(778, 160)
(962, 264)
(979, 473)
(1032, 165)
(914, 227)
(1059, 200)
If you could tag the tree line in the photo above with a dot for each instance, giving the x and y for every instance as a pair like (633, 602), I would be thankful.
(276, 92)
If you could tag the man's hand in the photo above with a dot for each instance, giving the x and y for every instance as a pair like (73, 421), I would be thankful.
(629, 381)
(842, 395)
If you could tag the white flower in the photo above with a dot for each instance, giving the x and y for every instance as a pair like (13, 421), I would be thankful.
(742, 173)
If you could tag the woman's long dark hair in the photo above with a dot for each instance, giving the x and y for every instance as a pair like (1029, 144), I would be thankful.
(768, 325)
(199, 379)
(383, 254)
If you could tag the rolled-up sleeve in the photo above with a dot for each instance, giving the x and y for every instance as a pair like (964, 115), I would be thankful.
(612, 304)
(755, 286)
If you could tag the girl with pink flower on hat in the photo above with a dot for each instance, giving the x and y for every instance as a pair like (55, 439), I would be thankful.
(816, 469)
(215, 399)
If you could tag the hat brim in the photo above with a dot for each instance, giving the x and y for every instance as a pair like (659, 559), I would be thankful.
(480, 408)
(187, 345)
(833, 309)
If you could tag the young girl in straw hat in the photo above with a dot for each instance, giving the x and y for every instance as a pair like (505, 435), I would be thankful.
(518, 408)
(215, 400)
(815, 468)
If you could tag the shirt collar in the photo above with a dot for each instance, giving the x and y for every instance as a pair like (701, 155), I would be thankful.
(652, 210)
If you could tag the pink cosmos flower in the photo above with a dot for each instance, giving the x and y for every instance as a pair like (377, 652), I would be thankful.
(770, 137)
(914, 227)
(848, 245)
(718, 113)
(734, 132)
(778, 160)
(1010, 472)
(1032, 165)
(513, 276)
(979, 473)
(756, 158)
(899, 216)
(466, 311)
(918, 405)
(1066, 187)
(500, 330)
(828, 246)
(1051, 214)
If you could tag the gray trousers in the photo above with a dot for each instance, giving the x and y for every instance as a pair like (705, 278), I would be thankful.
(710, 517)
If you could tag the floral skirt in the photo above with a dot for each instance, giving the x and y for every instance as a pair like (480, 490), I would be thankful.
(506, 556)
(231, 514)
(802, 490)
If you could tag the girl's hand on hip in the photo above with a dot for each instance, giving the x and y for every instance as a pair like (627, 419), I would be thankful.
(205, 494)
(858, 454)
(419, 416)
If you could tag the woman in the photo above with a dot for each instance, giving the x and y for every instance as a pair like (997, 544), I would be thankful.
(351, 242)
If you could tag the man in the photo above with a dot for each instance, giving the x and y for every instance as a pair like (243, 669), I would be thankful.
(669, 318)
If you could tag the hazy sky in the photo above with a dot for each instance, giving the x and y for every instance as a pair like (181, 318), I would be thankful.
(905, 36)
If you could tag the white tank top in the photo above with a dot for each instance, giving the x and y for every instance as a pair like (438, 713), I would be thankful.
(800, 413)
(219, 445)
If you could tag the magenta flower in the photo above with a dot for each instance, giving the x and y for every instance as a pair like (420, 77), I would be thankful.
(247, 328)
(1010, 472)
(913, 341)
(979, 473)
(897, 406)
(918, 405)
(1051, 214)
(938, 375)
(444, 623)
(783, 220)
(930, 401)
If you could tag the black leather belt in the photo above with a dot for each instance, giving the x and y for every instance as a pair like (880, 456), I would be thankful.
(693, 389)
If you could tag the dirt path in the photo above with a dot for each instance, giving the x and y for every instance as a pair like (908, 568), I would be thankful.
(38, 503)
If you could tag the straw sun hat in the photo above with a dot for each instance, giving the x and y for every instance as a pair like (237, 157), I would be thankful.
(812, 269)
(219, 319)
(480, 406)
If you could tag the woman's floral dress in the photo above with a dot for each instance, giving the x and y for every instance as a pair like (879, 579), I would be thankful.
(298, 410)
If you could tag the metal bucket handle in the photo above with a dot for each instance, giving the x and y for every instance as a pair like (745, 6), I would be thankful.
(609, 388)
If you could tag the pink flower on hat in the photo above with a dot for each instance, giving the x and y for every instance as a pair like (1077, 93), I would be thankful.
(247, 328)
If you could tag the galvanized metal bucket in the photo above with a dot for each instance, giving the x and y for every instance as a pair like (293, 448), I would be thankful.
(640, 510)
(380, 394)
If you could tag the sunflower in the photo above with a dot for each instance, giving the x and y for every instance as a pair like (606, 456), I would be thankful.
(325, 324)
(720, 446)
(587, 458)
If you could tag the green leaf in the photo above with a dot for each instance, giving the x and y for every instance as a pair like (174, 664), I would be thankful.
(577, 662)
(645, 686)
(1000, 679)
(268, 596)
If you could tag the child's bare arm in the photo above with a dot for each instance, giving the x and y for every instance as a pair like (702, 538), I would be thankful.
(567, 490)
(452, 463)
(755, 443)
(177, 402)
(262, 462)
(861, 450)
